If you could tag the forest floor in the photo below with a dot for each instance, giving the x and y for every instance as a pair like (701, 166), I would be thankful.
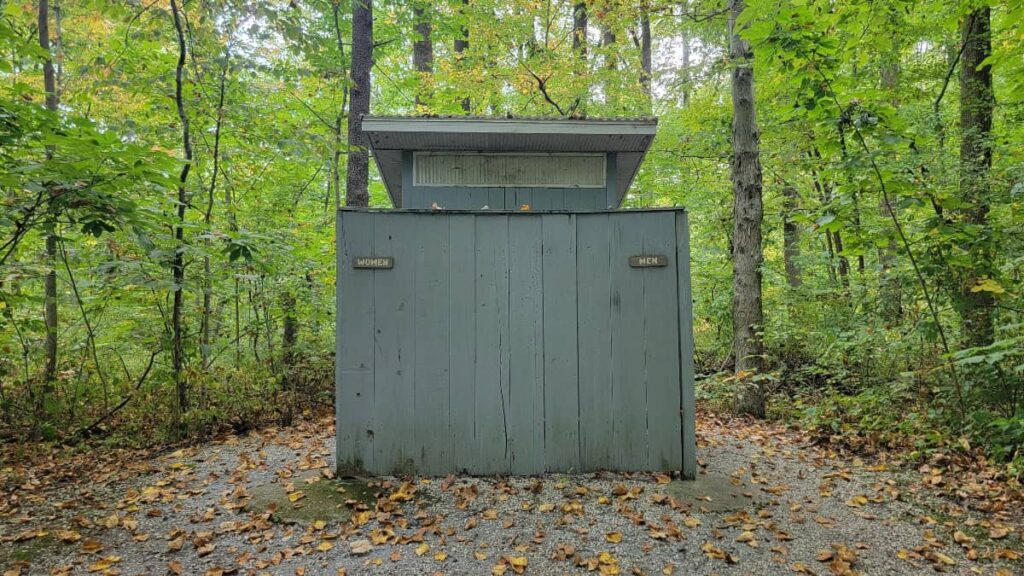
(767, 501)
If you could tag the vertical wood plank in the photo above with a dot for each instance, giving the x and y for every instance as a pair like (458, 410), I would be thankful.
(593, 282)
(661, 335)
(629, 393)
(394, 300)
(354, 341)
(526, 345)
(561, 376)
(492, 341)
(462, 352)
(689, 404)
(430, 365)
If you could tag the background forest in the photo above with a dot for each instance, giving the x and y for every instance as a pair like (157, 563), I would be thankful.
(170, 171)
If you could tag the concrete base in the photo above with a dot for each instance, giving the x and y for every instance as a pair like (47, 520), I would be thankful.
(712, 492)
(323, 500)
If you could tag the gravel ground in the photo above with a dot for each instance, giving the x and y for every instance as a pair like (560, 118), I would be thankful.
(807, 512)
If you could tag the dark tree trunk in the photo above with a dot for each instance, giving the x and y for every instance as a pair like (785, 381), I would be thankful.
(178, 262)
(356, 189)
(50, 280)
(461, 46)
(747, 313)
(340, 117)
(977, 102)
(791, 236)
(608, 39)
(645, 53)
(423, 51)
(579, 31)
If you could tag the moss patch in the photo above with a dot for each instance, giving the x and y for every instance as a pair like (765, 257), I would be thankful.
(322, 499)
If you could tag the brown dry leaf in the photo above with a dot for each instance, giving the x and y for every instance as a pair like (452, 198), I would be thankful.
(324, 546)
(824, 556)
(205, 549)
(175, 568)
(360, 547)
(176, 544)
(662, 478)
(396, 555)
(68, 536)
(499, 569)
(546, 507)
(480, 555)
(91, 546)
(716, 553)
(613, 537)
(691, 522)
(746, 536)
(801, 568)
(104, 563)
(669, 569)
(490, 514)
(999, 533)
(857, 501)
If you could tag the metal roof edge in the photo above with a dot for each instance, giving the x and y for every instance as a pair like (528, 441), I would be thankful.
(509, 212)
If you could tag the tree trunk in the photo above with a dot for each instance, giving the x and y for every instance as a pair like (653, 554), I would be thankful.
(889, 289)
(207, 321)
(178, 262)
(50, 280)
(336, 154)
(747, 314)
(645, 54)
(461, 46)
(791, 236)
(289, 335)
(579, 32)
(686, 69)
(423, 52)
(976, 104)
(356, 189)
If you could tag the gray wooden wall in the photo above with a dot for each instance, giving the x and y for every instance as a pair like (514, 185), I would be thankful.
(514, 343)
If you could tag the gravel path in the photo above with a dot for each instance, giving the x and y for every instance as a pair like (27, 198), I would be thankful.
(807, 512)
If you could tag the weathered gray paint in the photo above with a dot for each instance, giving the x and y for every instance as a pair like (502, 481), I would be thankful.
(514, 342)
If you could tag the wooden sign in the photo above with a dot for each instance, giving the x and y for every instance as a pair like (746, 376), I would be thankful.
(373, 262)
(648, 261)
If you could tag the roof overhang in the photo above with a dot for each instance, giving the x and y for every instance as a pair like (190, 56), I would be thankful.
(390, 136)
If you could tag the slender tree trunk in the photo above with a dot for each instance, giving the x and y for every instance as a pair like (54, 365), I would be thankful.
(608, 39)
(340, 117)
(686, 69)
(356, 190)
(289, 335)
(890, 291)
(645, 54)
(977, 102)
(791, 236)
(50, 280)
(461, 46)
(579, 33)
(207, 321)
(747, 255)
(178, 262)
(423, 52)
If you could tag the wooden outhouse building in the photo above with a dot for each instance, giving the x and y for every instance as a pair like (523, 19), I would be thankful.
(506, 317)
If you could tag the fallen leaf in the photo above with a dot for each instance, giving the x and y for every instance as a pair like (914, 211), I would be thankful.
(422, 549)
(613, 537)
(360, 547)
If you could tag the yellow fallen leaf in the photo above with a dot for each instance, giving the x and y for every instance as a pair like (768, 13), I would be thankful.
(663, 478)
(440, 556)
(857, 501)
(518, 563)
(613, 537)
(324, 546)
(296, 496)
(480, 555)
(319, 525)
(422, 549)
(691, 522)
(68, 536)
